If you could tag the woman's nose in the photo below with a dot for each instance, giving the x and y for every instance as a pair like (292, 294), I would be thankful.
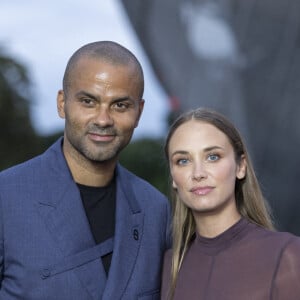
(199, 172)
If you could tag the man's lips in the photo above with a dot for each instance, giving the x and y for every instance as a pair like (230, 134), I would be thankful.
(100, 137)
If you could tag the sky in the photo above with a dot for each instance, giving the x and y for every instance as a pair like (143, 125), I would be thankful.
(42, 35)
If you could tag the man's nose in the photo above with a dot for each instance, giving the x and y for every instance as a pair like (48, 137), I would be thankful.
(103, 117)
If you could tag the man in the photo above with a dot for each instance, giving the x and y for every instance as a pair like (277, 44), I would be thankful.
(74, 223)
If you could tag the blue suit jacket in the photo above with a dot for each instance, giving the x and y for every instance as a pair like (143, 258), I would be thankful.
(46, 247)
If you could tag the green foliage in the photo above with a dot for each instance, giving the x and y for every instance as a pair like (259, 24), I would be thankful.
(18, 139)
(145, 158)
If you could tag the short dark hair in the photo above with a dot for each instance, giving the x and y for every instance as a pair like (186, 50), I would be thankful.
(107, 51)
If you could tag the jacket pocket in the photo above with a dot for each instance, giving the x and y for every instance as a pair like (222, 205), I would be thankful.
(77, 260)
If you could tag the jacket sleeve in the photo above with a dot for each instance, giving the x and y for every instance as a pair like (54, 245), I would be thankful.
(286, 282)
(1, 244)
(169, 228)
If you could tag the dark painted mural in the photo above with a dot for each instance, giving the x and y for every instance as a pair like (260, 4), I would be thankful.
(242, 58)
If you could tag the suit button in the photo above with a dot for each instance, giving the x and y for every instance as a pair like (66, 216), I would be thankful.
(136, 234)
(45, 273)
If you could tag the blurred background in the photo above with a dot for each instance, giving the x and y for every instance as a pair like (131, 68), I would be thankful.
(239, 57)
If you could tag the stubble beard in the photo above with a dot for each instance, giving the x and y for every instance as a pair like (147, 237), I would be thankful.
(100, 153)
(97, 152)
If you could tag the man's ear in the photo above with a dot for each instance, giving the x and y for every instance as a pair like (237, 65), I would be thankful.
(141, 108)
(60, 102)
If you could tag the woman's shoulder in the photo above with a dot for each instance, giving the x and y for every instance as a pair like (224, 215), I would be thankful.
(271, 242)
(289, 245)
(275, 236)
(168, 255)
(286, 238)
(286, 279)
(292, 246)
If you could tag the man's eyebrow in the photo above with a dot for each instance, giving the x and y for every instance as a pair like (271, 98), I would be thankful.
(87, 94)
(117, 99)
(125, 98)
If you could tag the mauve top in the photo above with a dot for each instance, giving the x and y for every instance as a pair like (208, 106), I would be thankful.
(246, 262)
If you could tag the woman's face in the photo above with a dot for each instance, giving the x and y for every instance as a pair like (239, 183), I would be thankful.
(203, 168)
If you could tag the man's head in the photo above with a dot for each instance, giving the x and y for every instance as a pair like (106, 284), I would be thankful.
(101, 101)
(108, 51)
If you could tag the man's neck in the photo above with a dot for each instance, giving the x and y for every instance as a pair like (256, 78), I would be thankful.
(95, 177)
(90, 173)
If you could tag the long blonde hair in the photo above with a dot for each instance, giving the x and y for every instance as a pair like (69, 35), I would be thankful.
(249, 199)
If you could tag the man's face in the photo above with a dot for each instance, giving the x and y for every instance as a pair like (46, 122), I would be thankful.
(101, 108)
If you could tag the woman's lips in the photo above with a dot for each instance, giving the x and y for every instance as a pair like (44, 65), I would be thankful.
(201, 190)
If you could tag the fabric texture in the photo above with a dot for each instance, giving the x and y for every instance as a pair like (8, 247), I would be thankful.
(47, 250)
(100, 208)
(245, 262)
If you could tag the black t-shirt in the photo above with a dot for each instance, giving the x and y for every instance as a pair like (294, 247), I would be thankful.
(100, 207)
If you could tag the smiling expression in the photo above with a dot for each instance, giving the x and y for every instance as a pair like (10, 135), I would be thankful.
(101, 109)
(203, 168)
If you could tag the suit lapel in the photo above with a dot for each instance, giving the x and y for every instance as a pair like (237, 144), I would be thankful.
(128, 236)
(66, 220)
(62, 210)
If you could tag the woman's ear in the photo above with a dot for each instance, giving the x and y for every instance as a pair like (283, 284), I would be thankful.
(174, 185)
(242, 168)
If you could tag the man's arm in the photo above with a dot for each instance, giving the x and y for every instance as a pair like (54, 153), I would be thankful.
(169, 227)
(1, 244)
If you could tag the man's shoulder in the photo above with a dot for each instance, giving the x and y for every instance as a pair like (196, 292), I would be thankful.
(137, 183)
(26, 169)
(21, 169)
(144, 192)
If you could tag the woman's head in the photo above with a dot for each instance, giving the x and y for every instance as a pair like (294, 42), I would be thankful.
(210, 169)
(204, 143)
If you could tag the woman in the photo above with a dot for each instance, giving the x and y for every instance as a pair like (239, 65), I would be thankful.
(224, 245)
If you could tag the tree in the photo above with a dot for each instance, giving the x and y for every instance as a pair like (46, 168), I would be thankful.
(145, 158)
(18, 140)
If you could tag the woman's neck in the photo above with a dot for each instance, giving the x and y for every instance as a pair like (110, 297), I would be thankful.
(211, 225)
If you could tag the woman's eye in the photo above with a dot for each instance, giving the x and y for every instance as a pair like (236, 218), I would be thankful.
(182, 161)
(213, 157)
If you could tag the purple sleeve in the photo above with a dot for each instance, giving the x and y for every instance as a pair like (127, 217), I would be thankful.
(286, 284)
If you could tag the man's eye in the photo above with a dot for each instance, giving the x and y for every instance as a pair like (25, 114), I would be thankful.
(121, 106)
(87, 100)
